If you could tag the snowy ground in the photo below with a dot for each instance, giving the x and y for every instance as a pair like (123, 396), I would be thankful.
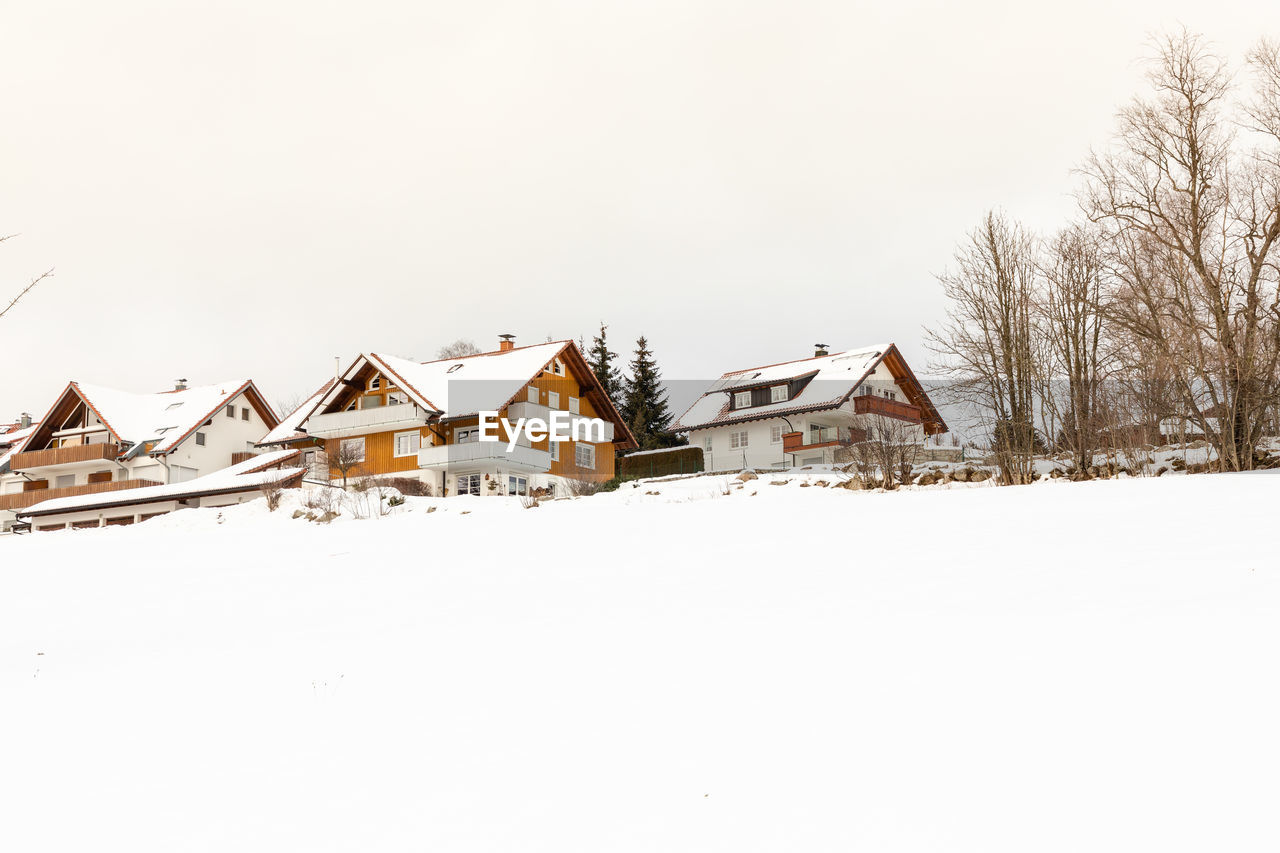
(1060, 667)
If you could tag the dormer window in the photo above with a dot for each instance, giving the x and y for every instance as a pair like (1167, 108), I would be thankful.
(556, 367)
(778, 393)
(742, 399)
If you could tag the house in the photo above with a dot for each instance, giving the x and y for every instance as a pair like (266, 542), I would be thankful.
(95, 440)
(12, 438)
(238, 483)
(386, 416)
(803, 412)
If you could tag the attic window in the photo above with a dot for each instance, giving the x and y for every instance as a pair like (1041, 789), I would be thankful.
(778, 393)
(173, 405)
(375, 383)
(455, 367)
(556, 367)
(742, 399)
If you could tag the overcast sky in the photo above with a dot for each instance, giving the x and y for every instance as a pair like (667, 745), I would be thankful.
(249, 189)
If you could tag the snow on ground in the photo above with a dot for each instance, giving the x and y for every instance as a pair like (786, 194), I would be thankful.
(1064, 667)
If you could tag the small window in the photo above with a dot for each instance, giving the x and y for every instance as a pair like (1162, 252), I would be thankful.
(350, 408)
(172, 406)
(742, 399)
(775, 434)
(706, 443)
(554, 447)
(738, 439)
(557, 367)
(353, 447)
(574, 406)
(396, 398)
(244, 414)
(584, 455)
(517, 485)
(778, 393)
(200, 439)
(407, 443)
(553, 400)
(466, 436)
(375, 383)
(231, 411)
(533, 394)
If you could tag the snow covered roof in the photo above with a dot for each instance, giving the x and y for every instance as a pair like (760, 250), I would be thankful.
(165, 418)
(831, 379)
(12, 439)
(289, 428)
(244, 476)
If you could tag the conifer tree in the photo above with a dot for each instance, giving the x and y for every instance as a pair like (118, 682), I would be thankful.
(601, 359)
(644, 402)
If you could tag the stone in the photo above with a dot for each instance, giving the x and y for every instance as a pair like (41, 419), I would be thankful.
(746, 475)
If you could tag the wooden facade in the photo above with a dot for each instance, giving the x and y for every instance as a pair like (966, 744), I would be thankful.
(35, 496)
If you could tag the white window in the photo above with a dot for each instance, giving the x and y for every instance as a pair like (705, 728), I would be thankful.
(469, 484)
(553, 399)
(353, 446)
(533, 394)
(554, 447)
(517, 485)
(64, 481)
(574, 406)
(738, 439)
(742, 399)
(396, 398)
(557, 367)
(375, 383)
(200, 439)
(584, 455)
(407, 443)
(373, 401)
(775, 434)
(777, 393)
(706, 443)
(466, 436)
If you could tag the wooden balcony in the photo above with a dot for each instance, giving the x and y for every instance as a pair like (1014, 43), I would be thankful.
(68, 455)
(798, 442)
(35, 496)
(869, 404)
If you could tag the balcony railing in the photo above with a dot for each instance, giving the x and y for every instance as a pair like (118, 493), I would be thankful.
(480, 452)
(21, 500)
(69, 455)
(795, 442)
(869, 404)
(361, 421)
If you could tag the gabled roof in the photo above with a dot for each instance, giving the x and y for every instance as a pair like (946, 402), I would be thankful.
(245, 476)
(289, 428)
(820, 383)
(464, 386)
(163, 420)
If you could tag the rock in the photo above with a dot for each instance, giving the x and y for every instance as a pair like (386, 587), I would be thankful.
(746, 475)
(961, 476)
(979, 476)
(777, 482)
(327, 517)
(822, 484)
(804, 485)
(432, 509)
(297, 513)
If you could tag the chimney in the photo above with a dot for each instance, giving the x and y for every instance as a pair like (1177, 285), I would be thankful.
(25, 420)
(506, 342)
(819, 350)
(179, 384)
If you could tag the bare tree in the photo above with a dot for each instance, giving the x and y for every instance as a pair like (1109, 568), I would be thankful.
(457, 349)
(1071, 355)
(1191, 220)
(985, 347)
(345, 457)
(31, 285)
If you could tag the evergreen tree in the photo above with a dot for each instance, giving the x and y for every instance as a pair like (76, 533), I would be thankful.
(644, 402)
(601, 359)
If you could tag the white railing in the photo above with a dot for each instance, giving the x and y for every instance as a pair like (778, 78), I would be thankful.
(521, 455)
(378, 419)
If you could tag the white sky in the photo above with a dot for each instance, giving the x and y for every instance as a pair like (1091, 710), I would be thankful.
(251, 188)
